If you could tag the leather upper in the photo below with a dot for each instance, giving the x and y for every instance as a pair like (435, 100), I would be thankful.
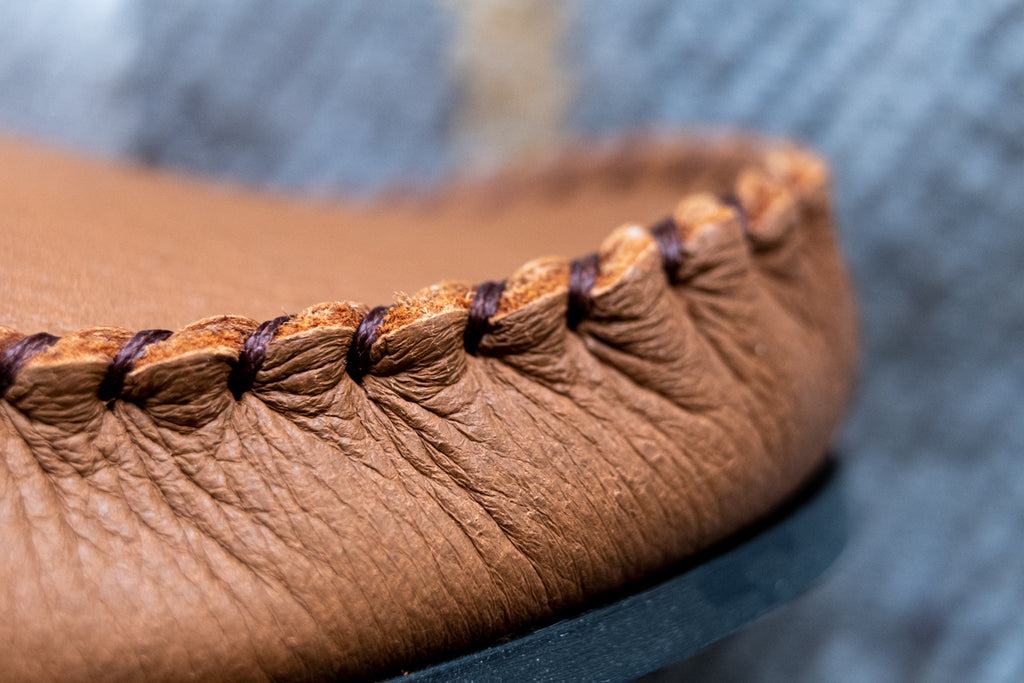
(320, 525)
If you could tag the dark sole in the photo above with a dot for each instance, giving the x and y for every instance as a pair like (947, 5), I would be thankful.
(678, 613)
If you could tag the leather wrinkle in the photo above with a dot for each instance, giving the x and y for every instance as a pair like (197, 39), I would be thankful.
(462, 485)
(732, 265)
(321, 435)
(300, 548)
(631, 381)
(558, 433)
(676, 297)
(293, 542)
(519, 389)
(455, 474)
(430, 474)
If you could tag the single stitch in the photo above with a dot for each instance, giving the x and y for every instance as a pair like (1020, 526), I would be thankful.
(666, 234)
(254, 352)
(582, 276)
(124, 361)
(366, 334)
(485, 304)
(733, 202)
(19, 353)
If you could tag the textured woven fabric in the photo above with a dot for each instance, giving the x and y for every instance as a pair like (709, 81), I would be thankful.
(920, 107)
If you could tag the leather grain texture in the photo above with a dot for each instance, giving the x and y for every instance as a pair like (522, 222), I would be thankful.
(319, 526)
(916, 105)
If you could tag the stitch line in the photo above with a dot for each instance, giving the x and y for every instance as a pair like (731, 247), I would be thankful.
(582, 278)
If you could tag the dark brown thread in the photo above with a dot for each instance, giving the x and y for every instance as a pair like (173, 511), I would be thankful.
(124, 361)
(582, 276)
(19, 353)
(366, 334)
(734, 203)
(485, 304)
(666, 234)
(254, 352)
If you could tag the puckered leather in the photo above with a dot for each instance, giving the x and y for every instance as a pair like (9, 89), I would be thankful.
(318, 525)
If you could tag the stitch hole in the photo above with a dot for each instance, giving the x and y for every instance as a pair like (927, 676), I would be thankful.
(666, 235)
(734, 203)
(582, 276)
(254, 352)
(358, 361)
(485, 304)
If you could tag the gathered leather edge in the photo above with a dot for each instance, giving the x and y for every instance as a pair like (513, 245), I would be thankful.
(768, 193)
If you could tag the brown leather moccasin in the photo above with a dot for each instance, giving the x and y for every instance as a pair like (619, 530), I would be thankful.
(349, 491)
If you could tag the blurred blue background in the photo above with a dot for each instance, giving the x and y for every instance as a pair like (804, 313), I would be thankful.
(918, 105)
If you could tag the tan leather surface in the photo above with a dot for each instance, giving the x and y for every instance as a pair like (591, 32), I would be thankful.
(84, 243)
(320, 526)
